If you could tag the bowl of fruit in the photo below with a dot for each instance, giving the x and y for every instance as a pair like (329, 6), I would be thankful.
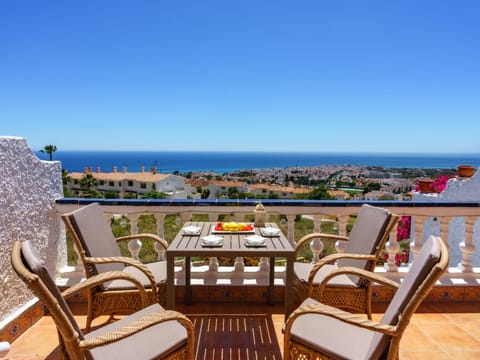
(232, 226)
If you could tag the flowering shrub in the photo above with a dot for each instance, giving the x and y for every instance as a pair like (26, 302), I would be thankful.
(437, 185)
(403, 255)
(403, 228)
(403, 237)
(440, 183)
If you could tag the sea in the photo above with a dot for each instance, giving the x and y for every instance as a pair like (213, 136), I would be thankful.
(226, 162)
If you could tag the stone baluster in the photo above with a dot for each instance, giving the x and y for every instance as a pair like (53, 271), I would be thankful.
(78, 265)
(444, 229)
(291, 227)
(186, 216)
(160, 218)
(392, 247)
(134, 245)
(238, 271)
(263, 271)
(342, 230)
(417, 241)
(159, 249)
(466, 247)
(316, 245)
(212, 273)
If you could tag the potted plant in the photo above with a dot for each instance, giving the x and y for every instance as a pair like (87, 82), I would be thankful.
(465, 170)
(424, 185)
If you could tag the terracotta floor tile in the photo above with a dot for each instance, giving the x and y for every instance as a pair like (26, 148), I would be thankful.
(466, 355)
(451, 338)
(37, 342)
(425, 355)
(437, 331)
(415, 339)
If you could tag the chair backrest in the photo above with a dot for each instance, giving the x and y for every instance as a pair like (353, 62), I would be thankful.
(32, 270)
(429, 265)
(93, 236)
(369, 233)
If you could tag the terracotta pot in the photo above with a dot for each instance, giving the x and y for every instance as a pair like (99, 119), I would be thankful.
(425, 185)
(465, 170)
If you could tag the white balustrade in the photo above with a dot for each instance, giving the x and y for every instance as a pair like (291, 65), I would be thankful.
(238, 272)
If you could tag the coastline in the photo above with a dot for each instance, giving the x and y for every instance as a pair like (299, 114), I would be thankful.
(226, 162)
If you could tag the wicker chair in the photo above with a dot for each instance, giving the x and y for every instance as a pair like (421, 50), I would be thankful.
(99, 252)
(366, 241)
(319, 331)
(151, 333)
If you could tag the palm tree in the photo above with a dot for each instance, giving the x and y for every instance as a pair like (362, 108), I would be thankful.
(49, 149)
(88, 182)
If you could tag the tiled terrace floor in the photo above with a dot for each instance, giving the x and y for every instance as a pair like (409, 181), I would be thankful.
(437, 331)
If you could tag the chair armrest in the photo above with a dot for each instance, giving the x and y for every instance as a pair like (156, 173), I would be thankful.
(144, 235)
(318, 235)
(365, 274)
(333, 257)
(103, 278)
(127, 261)
(137, 326)
(353, 319)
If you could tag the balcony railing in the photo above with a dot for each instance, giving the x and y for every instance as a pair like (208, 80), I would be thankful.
(443, 219)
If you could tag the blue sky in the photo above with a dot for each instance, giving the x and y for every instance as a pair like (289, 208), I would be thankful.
(327, 76)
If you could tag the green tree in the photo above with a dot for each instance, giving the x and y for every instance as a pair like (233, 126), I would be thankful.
(65, 179)
(89, 183)
(319, 193)
(49, 149)
(205, 193)
(233, 193)
(154, 195)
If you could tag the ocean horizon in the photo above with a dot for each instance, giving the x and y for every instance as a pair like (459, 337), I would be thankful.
(225, 162)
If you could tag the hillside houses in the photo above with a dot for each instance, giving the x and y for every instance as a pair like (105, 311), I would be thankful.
(283, 192)
(251, 184)
(126, 184)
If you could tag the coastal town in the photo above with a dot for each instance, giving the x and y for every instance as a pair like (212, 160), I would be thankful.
(340, 182)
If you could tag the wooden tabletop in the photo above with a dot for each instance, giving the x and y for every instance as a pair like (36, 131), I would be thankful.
(233, 243)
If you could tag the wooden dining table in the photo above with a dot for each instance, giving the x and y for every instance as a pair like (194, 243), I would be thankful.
(233, 245)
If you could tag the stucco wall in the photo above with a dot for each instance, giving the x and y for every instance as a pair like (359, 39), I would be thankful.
(457, 190)
(28, 190)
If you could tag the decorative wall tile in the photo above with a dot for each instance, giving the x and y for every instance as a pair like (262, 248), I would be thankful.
(227, 294)
(446, 293)
(472, 293)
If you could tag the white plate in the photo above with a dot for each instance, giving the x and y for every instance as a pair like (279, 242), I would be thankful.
(255, 240)
(211, 240)
(191, 230)
(270, 231)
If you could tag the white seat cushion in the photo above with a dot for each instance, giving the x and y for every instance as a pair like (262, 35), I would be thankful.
(344, 341)
(302, 271)
(147, 344)
(159, 270)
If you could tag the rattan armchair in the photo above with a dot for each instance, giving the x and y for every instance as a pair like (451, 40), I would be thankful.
(151, 333)
(367, 239)
(99, 252)
(318, 331)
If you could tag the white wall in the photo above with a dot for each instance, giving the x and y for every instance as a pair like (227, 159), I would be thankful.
(28, 190)
(457, 190)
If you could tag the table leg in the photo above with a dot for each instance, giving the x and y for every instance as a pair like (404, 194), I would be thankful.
(289, 286)
(188, 286)
(170, 281)
(271, 281)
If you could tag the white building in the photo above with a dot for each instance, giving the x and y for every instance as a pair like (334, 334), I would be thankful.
(125, 183)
